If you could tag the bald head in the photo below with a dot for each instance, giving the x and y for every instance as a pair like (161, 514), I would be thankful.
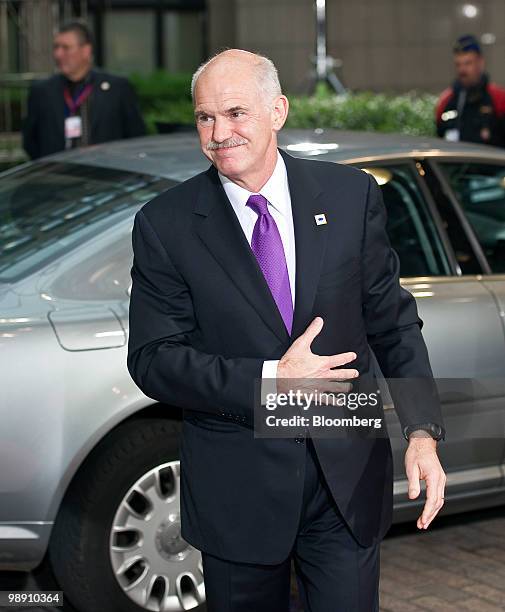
(241, 64)
(239, 108)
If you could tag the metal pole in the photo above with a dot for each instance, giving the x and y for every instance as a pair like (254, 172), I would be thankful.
(324, 63)
(55, 16)
(4, 36)
(67, 11)
(321, 40)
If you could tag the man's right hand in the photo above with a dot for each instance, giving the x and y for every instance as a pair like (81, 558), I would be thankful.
(299, 362)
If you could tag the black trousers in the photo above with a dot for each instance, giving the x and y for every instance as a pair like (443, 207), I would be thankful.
(334, 573)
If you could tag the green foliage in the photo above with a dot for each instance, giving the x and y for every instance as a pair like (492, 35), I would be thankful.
(163, 97)
(175, 112)
(14, 93)
(160, 90)
(166, 98)
(411, 113)
(11, 105)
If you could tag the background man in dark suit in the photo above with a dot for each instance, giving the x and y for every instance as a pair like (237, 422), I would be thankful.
(80, 105)
(270, 267)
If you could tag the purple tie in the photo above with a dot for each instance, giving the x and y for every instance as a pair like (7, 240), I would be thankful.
(267, 246)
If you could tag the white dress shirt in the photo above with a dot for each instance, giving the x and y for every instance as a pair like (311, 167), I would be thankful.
(276, 191)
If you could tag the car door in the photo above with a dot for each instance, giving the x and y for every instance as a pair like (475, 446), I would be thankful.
(462, 328)
(478, 185)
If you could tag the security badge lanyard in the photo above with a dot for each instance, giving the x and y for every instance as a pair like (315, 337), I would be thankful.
(73, 123)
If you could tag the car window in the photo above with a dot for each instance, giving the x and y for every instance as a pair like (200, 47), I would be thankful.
(48, 208)
(464, 251)
(410, 226)
(480, 189)
(101, 273)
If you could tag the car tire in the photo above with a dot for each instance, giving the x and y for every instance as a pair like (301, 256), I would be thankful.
(80, 548)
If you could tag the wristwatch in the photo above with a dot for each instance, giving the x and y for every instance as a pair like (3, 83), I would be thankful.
(437, 432)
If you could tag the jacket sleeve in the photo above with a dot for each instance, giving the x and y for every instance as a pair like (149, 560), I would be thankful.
(133, 124)
(392, 322)
(161, 358)
(30, 125)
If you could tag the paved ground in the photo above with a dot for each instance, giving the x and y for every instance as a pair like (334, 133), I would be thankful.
(456, 566)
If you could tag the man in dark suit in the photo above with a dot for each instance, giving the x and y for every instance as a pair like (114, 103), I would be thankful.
(270, 267)
(80, 105)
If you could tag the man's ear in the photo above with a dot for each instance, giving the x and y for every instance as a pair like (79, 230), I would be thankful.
(89, 51)
(280, 112)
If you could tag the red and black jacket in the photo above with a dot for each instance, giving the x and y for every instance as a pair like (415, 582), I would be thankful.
(477, 112)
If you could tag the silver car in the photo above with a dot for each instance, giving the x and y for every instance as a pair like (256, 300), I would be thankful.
(89, 471)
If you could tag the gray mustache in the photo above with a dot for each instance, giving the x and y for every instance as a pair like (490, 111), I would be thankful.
(231, 142)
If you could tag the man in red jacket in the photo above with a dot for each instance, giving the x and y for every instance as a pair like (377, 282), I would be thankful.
(473, 108)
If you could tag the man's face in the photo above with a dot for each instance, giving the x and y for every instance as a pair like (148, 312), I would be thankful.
(469, 67)
(70, 55)
(237, 127)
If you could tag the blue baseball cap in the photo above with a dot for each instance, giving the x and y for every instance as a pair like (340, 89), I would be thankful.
(465, 43)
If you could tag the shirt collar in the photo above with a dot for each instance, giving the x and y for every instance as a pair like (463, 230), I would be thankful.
(88, 78)
(273, 189)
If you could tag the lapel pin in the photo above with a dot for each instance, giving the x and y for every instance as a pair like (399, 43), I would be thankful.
(320, 219)
(105, 85)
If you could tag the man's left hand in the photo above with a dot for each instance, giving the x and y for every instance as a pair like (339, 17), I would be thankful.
(422, 463)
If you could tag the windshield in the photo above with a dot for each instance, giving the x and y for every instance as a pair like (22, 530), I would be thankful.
(47, 209)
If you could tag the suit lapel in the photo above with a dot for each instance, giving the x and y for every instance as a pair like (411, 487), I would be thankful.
(97, 100)
(58, 106)
(310, 239)
(220, 230)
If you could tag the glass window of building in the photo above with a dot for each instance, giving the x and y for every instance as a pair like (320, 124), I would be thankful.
(183, 41)
(129, 41)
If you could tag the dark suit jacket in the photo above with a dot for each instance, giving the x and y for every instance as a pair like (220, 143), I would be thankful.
(114, 114)
(202, 321)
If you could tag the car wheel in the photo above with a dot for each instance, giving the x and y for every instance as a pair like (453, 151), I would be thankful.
(116, 544)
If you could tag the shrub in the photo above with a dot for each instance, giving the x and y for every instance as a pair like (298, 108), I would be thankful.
(160, 90)
(166, 98)
(410, 113)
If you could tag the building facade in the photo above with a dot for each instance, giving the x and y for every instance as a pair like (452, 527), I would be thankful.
(380, 45)
(130, 35)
